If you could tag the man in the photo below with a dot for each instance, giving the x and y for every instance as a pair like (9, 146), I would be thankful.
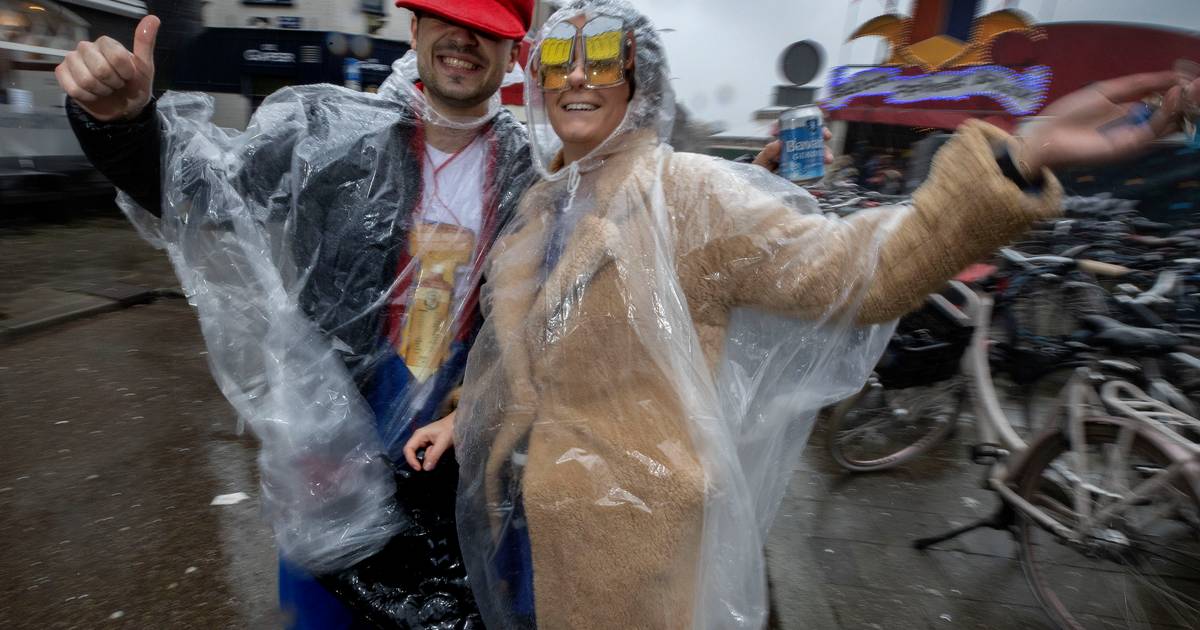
(364, 250)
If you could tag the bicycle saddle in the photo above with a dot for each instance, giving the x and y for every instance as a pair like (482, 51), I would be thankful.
(1146, 226)
(1131, 340)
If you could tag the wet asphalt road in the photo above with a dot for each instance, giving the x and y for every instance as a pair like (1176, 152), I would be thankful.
(99, 246)
(115, 442)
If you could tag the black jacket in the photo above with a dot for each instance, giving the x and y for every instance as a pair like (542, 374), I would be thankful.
(346, 228)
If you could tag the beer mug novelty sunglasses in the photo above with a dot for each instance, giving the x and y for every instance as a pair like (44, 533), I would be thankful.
(603, 45)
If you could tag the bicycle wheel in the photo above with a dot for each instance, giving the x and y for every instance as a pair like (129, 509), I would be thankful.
(880, 428)
(1139, 567)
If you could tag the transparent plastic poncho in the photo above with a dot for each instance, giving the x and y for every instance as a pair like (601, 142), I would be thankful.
(297, 241)
(661, 331)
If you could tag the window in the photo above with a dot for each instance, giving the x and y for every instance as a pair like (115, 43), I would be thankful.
(374, 7)
(32, 30)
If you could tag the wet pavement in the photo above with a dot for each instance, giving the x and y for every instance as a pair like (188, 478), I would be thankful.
(117, 441)
(100, 247)
(841, 554)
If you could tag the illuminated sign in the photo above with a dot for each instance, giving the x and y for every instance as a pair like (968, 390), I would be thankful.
(1020, 93)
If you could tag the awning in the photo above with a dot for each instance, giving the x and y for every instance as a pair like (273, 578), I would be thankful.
(129, 8)
(35, 50)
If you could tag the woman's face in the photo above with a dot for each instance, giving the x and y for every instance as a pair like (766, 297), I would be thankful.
(584, 118)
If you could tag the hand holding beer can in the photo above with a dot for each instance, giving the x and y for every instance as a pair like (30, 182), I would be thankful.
(802, 135)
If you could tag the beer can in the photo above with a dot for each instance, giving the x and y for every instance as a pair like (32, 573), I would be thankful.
(353, 74)
(803, 138)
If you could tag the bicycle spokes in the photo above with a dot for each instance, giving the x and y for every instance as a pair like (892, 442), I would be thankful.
(1131, 552)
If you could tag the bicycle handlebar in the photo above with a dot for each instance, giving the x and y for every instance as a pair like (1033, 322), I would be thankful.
(1093, 267)
(1164, 284)
(964, 316)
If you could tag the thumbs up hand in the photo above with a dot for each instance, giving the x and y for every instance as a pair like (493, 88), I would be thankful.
(107, 80)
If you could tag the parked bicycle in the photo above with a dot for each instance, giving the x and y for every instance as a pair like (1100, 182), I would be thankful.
(1104, 502)
(913, 399)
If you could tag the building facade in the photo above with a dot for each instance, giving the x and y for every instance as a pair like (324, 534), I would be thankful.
(35, 35)
(375, 18)
(248, 49)
(40, 159)
(542, 12)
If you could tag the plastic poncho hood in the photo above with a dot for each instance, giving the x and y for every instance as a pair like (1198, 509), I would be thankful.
(297, 242)
(661, 330)
(651, 110)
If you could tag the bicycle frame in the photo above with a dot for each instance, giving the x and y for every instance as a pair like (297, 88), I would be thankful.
(991, 421)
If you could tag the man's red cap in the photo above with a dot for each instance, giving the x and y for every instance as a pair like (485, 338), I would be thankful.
(505, 19)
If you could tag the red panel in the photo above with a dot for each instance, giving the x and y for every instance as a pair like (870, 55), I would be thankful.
(1080, 53)
(515, 94)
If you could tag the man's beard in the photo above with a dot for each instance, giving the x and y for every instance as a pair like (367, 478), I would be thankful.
(460, 102)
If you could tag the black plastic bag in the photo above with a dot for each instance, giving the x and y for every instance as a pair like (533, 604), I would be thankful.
(418, 580)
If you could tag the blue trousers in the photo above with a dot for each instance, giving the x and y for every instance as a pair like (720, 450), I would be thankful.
(307, 605)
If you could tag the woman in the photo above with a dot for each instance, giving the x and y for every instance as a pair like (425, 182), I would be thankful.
(662, 328)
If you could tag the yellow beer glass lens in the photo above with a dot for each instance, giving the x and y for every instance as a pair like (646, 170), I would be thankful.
(603, 47)
(556, 52)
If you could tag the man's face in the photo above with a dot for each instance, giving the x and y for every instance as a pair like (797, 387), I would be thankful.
(460, 68)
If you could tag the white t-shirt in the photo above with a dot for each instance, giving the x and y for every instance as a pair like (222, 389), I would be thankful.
(453, 192)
